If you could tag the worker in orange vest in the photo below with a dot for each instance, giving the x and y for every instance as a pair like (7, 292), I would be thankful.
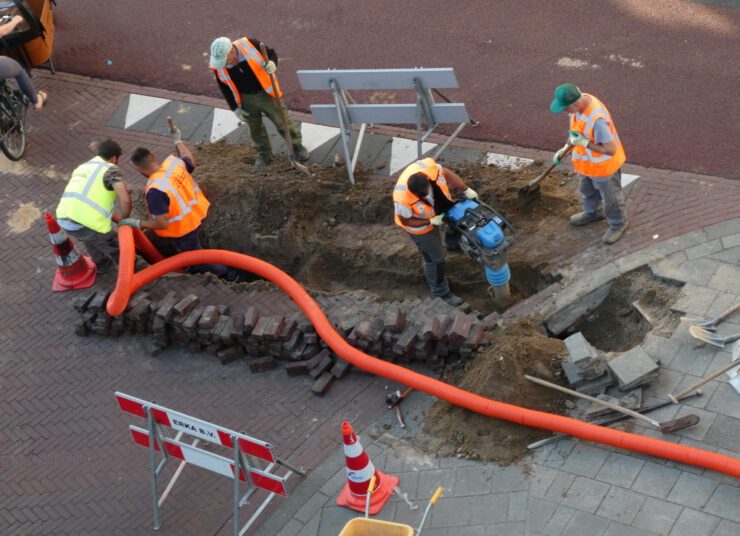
(175, 202)
(243, 76)
(597, 156)
(421, 198)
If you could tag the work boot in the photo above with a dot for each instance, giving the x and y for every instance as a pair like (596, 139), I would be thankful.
(451, 299)
(582, 218)
(262, 160)
(612, 235)
(300, 153)
(232, 276)
(104, 267)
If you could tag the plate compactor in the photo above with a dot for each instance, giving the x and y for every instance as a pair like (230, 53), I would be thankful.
(484, 237)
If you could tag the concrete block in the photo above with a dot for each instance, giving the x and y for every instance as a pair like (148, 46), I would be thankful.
(633, 368)
(187, 304)
(323, 384)
(579, 349)
(599, 385)
(567, 315)
(261, 364)
(597, 410)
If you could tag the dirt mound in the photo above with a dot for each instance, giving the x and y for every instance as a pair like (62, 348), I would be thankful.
(332, 236)
(497, 373)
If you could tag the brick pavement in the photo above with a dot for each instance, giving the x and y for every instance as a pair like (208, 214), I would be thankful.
(68, 466)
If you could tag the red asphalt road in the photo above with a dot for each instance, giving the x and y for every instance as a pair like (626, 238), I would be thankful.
(668, 70)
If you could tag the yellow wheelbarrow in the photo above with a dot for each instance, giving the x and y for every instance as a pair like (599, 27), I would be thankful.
(362, 526)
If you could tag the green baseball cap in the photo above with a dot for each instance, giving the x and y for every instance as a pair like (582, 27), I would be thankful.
(565, 95)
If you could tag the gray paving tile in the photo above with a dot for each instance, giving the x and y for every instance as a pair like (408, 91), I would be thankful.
(311, 528)
(725, 433)
(488, 509)
(559, 520)
(618, 529)
(700, 429)
(666, 382)
(509, 478)
(620, 470)
(311, 507)
(518, 501)
(707, 390)
(429, 481)
(451, 512)
(585, 494)
(585, 460)
(725, 400)
(333, 519)
(656, 480)
(729, 255)
(477, 530)
(727, 528)
(539, 513)
(693, 360)
(292, 528)
(722, 303)
(694, 523)
(408, 483)
(722, 229)
(661, 349)
(702, 250)
(474, 480)
(584, 524)
(559, 487)
(621, 505)
(724, 502)
(507, 529)
(731, 241)
(694, 299)
(692, 490)
(657, 516)
(726, 277)
(539, 480)
(557, 456)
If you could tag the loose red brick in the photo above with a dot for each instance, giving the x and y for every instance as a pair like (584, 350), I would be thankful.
(80, 303)
(261, 364)
(325, 364)
(323, 384)
(394, 319)
(187, 304)
(167, 306)
(297, 368)
(99, 301)
(341, 368)
(209, 318)
(190, 323)
(460, 328)
(232, 353)
(369, 329)
(251, 316)
(431, 330)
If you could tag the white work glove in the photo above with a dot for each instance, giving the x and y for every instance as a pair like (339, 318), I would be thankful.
(241, 114)
(558, 156)
(439, 219)
(576, 138)
(270, 67)
(134, 223)
(176, 136)
(470, 194)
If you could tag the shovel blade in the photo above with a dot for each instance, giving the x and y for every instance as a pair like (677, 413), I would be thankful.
(706, 336)
(708, 325)
(679, 424)
(527, 194)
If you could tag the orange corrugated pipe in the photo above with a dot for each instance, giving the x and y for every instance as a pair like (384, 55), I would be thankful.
(128, 283)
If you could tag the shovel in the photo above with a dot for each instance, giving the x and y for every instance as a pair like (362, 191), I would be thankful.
(284, 117)
(727, 368)
(665, 427)
(712, 338)
(711, 325)
(531, 190)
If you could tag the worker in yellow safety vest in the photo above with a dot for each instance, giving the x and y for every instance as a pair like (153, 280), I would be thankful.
(88, 205)
(175, 202)
(597, 157)
(243, 76)
(421, 198)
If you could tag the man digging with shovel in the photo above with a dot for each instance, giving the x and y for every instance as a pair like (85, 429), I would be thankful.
(597, 156)
(244, 77)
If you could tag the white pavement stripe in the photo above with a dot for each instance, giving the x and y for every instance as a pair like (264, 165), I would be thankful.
(503, 160)
(628, 179)
(314, 136)
(224, 123)
(139, 106)
(403, 153)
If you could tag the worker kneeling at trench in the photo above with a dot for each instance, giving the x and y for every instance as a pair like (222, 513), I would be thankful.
(175, 202)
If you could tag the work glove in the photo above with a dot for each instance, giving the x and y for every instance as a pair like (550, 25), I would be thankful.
(176, 135)
(558, 156)
(576, 138)
(134, 223)
(470, 194)
(439, 219)
(270, 67)
(241, 114)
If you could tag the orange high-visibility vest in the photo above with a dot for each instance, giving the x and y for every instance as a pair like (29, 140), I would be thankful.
(591, 163)
(249, 53)
(419, 208)
(188, 205)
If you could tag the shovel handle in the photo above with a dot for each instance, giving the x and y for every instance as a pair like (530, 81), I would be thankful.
(436, 495)
(549, 169)
(593, 399)
(717, 374)
(171, 124)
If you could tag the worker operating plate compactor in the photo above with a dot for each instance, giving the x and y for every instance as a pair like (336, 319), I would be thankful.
(484, 237)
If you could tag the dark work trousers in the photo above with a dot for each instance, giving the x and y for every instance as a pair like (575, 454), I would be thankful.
(191, 242)
(430, 246)
(100, 246)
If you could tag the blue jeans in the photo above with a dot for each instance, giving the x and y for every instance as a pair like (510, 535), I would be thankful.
(9, 68)
(595, 190)
(191, 242)
(430, 246)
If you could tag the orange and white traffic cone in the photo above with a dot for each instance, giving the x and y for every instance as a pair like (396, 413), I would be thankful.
(360, 471)
(73, 270)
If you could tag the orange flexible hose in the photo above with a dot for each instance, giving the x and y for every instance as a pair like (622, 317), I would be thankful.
(128, 283)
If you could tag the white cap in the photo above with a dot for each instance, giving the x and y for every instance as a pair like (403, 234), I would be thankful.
(220, 49)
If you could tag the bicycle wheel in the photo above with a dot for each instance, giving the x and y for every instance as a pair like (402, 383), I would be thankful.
(12, 129)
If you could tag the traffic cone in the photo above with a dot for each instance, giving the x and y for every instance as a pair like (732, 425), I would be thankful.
(359, 472)
(73, 271)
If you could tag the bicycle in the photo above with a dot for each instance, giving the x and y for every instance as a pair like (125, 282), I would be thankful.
(13, 108)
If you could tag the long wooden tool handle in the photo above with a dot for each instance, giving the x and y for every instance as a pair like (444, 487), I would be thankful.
(593, 399)
(729, 312)
(171, 124)
(549, 169)
(283, 112)
(717, 374)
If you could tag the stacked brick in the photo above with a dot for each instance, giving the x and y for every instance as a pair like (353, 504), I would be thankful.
(270, 333)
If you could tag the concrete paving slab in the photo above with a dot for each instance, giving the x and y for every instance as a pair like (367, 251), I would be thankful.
(620, 470)
(621, 505)
(729, 255)
(703, 250)
(694, 299)
(559, 521)
(692, 490)
(585, 460)
(694, 523)
(726, 277)
(585, 494)
(656, 480)
(657, 516)
(584, 524)
(727, 528)
(731, 241)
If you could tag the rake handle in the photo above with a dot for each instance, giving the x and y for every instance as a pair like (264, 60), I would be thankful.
(593, 399)
(733, 364)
